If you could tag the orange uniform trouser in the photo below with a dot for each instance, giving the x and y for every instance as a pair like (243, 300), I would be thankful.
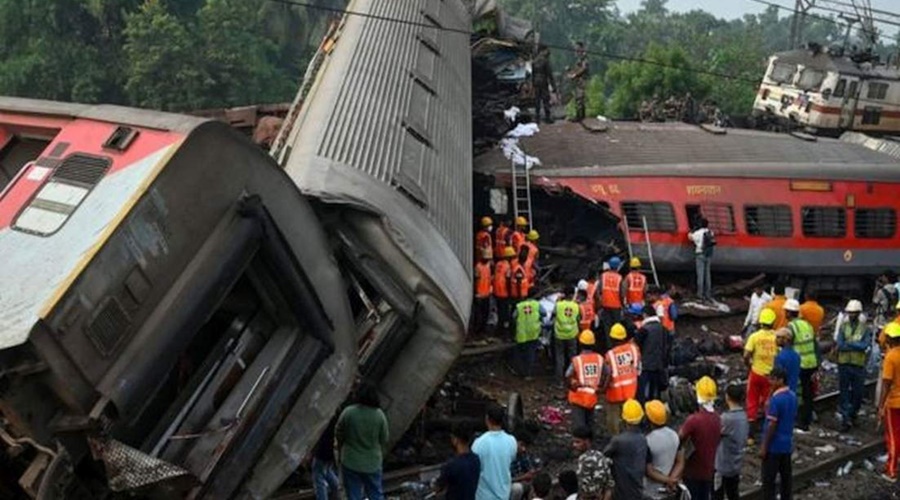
(892, 439)
(757, 394)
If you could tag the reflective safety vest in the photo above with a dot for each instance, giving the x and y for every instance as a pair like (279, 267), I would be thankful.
(483, 279)
(662, 307)
(587, 372)
(610, 293)
(501, 279)
(623, 361)
(484, 247)
(565, 324)
(501, 240)
(531, 258)
(804, 343)
(592, 292)
(635, 284)
(851, 334)
(518, 281)
(587, 314)
(528, 321)
(516, 240)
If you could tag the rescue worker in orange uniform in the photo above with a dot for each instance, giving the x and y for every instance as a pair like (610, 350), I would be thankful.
(777, 306)
(610, 297)
(812, 311)
(503, 288)
(484, 245)
(501, 239)
(665, 307)
(519, 279)
(529, 254)
(587, 310)
(518, 236)
(889, 401)
(481, 306)
(635, 283)
(624, 361)
(586, 378)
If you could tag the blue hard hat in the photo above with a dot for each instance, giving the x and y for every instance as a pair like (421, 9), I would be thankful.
(615, 262)
(636, 308)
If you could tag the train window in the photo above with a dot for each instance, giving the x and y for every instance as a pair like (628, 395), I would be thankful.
(769, 220)
(875, 223)
(853, 91)
(871, 115)
(810, 79)
(824, 222)
(719, 215)
(660, 216)
(783, 73)
(840, 88)
(877, 90)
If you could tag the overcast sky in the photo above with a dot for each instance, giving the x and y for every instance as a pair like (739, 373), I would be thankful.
(736, 8)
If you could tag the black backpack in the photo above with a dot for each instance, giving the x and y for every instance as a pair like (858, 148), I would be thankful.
(709, 243)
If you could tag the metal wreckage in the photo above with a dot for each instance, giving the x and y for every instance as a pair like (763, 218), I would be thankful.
(181, 314)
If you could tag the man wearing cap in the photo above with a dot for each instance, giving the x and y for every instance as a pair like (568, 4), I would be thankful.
(502, 288)
(586, 375)
(803, 338)
(635, 283)
(628, 452)
(889, 403)
(517, 238)
(529, 254)
(788, 358)
(759, 355)
(624, 361)
(778, 437)
(595, 476)
(662, 452)
(653, 340)
(853, 341)
(565, 333)
(484, 246)
(703, 429)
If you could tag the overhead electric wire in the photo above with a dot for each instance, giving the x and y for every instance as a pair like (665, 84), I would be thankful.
(874, 11)
(602, 55)
(814, 16)
(839, 11)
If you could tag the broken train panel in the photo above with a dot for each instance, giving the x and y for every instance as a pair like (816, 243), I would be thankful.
(167, 296)
(383, 140)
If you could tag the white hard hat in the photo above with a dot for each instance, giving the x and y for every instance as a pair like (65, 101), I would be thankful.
(854, 306)
(582, 285)
(606, 266)
(792, 305)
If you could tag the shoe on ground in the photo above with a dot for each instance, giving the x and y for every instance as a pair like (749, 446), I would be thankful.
(801, 431)
(888, 478)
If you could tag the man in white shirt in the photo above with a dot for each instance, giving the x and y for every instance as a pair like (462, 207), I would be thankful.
(702, 256)
(758, 300)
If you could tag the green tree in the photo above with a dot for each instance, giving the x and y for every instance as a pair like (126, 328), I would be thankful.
(163, 65)
(631, 82)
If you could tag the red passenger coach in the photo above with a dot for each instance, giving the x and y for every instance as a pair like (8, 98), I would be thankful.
(775, 202)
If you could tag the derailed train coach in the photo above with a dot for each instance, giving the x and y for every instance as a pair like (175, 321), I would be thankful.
(181, 316)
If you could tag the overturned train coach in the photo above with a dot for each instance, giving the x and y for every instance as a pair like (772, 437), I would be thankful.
(181, 316)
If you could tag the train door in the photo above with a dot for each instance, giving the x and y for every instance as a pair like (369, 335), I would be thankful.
(848, 105)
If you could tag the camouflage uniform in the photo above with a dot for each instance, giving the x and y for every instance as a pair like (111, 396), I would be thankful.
(542, 80)
(594, 475)
(579, 77)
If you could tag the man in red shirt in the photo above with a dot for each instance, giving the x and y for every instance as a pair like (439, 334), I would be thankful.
(704, 430)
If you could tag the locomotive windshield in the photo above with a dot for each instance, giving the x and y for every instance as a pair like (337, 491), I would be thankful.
(810, 79)
(782, 72)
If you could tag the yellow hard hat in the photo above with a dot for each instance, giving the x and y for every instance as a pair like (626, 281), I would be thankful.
(521, 221)
(509, 252)
(632, 412)
(486, 222)
(898, 305)
(533, 235)
(892, 330)
(617, 332)
(656, 412)
(634, 263)
(767, 317)
(586, 337)
(706, 389)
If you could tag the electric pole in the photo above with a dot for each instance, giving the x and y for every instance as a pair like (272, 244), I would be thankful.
(801, 7)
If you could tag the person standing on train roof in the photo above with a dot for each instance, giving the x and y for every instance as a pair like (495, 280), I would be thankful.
(484, 244)
(758, 301)
(812, 311)
(501, 238)
(529, 255)
(565, 333)
(481, 305)
(889, 402)
(759, 356)
(517, 238)
(610, 296)
(777, 306)
(704, 244)
(635, 283)
(803, 337)
(503, 288)
(853, 342)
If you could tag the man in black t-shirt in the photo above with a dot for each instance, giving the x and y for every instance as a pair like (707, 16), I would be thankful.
(459, 476)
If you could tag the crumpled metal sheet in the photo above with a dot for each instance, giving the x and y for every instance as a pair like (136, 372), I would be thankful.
(129, 469)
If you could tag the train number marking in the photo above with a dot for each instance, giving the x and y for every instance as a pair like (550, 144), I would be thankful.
(704, 190)
(605, 189)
